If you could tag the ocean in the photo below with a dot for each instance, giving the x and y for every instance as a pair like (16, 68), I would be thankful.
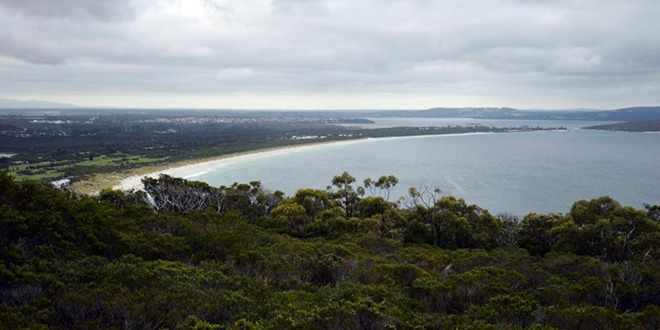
(514, 173)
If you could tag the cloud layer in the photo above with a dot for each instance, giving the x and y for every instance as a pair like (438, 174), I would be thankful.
(332, 53)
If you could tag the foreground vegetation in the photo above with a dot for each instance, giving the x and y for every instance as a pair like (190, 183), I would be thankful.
(191, 256)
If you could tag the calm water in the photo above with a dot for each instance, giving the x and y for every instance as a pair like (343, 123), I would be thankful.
(511, 172)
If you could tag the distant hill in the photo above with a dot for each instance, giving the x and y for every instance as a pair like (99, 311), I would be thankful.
(33, 104)
(630, 126)
(625, 114)
(630, 114)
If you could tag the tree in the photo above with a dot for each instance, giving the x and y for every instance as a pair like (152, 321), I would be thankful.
(383, 187)
(535, 232)
(653, 211)
(603, 229)
(424, 203)
(314, 201)
(291, 216)
(510, 309)
(174, 194)
(346, 194)
(510, 232)
(585, 212)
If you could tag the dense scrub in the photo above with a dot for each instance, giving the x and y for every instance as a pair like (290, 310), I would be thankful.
(191, 256)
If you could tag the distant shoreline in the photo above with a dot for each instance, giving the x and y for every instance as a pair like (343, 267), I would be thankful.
(131, 179)
(193, 168)
(647, 126)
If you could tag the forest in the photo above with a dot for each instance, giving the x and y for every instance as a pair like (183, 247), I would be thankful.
(186, 255)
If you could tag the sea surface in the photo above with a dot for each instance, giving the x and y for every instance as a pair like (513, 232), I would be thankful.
(514, 173)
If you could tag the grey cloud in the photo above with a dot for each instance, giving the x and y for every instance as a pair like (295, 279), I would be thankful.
(337, 46)
(54, 42)
(105, 10)
(37, 54)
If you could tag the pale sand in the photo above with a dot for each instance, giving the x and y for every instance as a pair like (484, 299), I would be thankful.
(202, 167)
(132, 179)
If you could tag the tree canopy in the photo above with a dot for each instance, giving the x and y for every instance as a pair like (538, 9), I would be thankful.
(185, 255)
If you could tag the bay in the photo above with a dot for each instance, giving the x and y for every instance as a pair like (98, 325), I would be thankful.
(515, 173)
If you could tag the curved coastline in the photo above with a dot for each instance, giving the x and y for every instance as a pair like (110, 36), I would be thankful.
(130, 179)
(198, 167)
(193, 168)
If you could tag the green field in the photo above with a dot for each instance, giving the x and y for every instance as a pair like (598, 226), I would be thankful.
(55, 170)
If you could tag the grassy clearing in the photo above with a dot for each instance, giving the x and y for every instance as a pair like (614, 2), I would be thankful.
(38, 171)
(55, 170)
(120, 160)
(39, 176)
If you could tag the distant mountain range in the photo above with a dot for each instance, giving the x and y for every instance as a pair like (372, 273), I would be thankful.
(33, 104)
(625, 114)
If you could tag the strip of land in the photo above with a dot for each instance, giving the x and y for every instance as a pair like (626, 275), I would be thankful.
(630, 126)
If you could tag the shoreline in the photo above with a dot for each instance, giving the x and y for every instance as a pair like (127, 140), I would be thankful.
(132, 179)
(194, 168)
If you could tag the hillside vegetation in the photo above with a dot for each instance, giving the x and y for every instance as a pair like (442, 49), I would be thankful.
(192, 256)
(631, 126)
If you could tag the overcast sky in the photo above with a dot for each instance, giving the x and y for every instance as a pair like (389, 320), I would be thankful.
(332, 54)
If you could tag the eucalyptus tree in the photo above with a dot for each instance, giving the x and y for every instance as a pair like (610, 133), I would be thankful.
(345, 193)
(382, 187)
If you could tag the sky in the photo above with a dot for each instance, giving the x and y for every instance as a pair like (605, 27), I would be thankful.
(332, 54)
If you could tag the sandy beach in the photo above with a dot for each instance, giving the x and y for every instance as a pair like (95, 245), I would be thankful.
(197, 168)
(132, 179)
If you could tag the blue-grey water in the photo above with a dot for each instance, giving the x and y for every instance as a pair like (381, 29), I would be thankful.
(508, 172)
